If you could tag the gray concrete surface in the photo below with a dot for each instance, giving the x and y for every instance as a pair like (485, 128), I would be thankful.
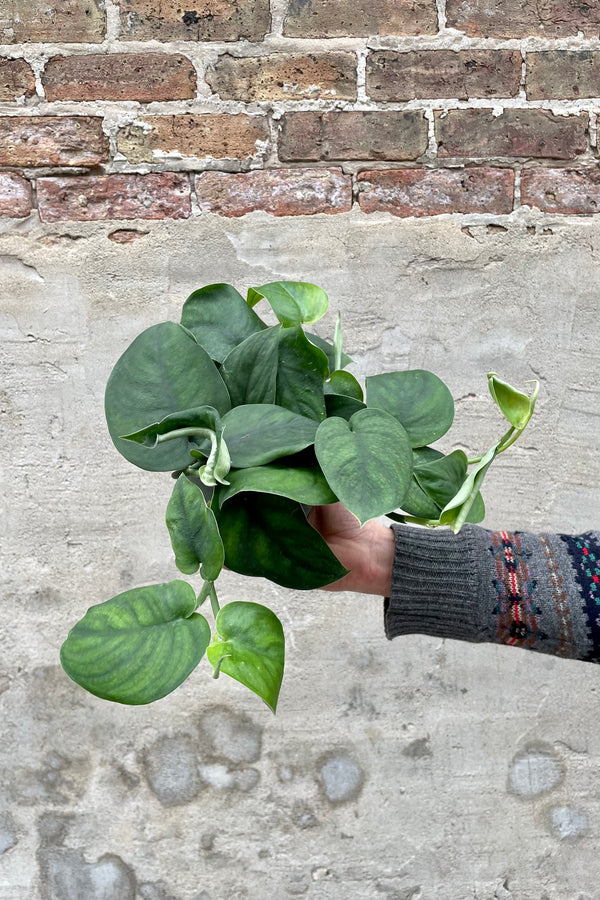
(410, 770)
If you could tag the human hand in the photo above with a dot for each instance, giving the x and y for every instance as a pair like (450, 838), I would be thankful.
(368, 551)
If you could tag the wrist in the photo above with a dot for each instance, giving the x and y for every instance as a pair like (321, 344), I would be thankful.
(381, 559)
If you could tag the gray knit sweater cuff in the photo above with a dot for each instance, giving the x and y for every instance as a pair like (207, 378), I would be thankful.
(435, 584)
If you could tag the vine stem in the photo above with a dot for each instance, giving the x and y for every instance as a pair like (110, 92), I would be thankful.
(217, 668)
(214, 602)
(205, 592)
(509, 437)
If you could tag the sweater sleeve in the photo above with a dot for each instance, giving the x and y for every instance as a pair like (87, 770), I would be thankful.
(541, 592)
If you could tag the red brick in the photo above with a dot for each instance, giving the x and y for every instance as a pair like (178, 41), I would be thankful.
(52, 141)
(431, 74)
(280, 192)
(565, 74)
(215, 135)
(285, 76)
(15, 195)
(520, 18)
(568, 191)
(479, 133)
(16, 79)
(207, 20)
(92, 197)
(120, 76)
(360, 18)
(67, 21)
(353, 135)
(430, 192)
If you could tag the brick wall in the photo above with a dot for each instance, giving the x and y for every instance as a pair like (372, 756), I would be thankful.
(147, 109)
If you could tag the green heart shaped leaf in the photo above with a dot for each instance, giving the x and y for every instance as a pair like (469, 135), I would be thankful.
(139, 646)
(164, 370)
(367, 461)
(442, 478)
(269, 537)
(345, 384)
(293, 302)
(258, 433)
(249, 646)
(303, 484)
(250, 370)
(220, 319)
(278, 365)
(342, 407)
(301, 375)
(418, 504)
(418, 399)
(194, 531)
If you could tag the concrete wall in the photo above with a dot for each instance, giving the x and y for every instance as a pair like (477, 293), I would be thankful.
(419, 768)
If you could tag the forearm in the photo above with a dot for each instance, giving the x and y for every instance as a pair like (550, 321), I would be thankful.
(541, 592)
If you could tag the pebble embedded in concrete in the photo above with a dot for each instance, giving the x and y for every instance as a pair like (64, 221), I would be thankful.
(233, 736)
(341, 777)
(535, 772)
(207, 840)
(171, 770)
(568, 823)
(418, 748)
(67, 876)
(320, 872)
(303, 816)
(222, 778)
(58, 780)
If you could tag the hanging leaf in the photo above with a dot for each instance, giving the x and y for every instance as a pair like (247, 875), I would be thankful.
(220, 319)
(305, 485)
(293, 302)
(162, 371)
(258, 433)
(139, 646)
(418, 399)
(194, 531)
(366, 461)
(249, 646)
(269, 537)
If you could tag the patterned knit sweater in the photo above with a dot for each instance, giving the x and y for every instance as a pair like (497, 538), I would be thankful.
(541, 592)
